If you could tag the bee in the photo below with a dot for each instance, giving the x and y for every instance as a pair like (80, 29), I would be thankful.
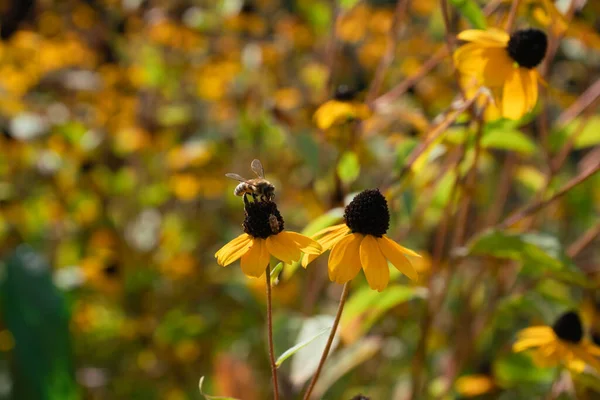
(274, 224)
(257, 187)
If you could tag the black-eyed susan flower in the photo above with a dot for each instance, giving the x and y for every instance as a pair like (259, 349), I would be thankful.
(560, 344)
(362, 242)
(264, 237)
(505, 64)
(341, 109)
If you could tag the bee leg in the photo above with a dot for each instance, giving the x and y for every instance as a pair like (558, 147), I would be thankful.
(245, 199)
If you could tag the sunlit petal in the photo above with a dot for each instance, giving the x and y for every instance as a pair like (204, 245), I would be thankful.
(234, 249)
(374, 264)
(255, 261)
(489, 38)
(393, 252)
(344, 259)
(283, 248)
(306, 244)
(514, 99)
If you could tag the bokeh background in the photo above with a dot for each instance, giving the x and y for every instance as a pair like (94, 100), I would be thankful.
(119, 119)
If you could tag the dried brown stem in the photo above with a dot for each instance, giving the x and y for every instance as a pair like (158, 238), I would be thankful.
(584, 240)
(512, 15)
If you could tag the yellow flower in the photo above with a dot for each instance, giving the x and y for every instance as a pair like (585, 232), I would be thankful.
(505, 64)
(474, 385)
(560, 344)
(264, 237)
(361, 242)
(341, 109)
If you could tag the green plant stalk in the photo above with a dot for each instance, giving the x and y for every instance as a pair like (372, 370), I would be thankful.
(270, 334)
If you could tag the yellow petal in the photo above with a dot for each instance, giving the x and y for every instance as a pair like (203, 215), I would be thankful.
(305, 243)
(327, 241)
(514, 97)
(255, 261)
(489, 65)
(488, 38)
(582, 354)
(344, 260)
(234, 249)
(331, 229)
(537, 331)
(283, 248)
(374, 263)
(337, 112)
(393, 252)
(528, 343)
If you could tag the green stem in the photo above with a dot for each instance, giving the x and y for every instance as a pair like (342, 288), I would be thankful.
(270, 334)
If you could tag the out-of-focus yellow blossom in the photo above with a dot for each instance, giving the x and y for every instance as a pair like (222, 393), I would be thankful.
(351, 26)
(474, 385)
(341, 109)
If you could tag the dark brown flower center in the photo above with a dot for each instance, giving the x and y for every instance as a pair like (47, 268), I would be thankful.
(527, 47)
(111, 270)
(568, 327)
(262, 219)
(368, 213)
(344, 93)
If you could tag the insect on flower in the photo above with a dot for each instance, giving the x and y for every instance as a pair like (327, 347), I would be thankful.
(258, 187)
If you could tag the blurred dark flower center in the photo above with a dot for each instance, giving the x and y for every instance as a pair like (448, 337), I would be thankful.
(568, 327)
(527, 47)
(368, 213)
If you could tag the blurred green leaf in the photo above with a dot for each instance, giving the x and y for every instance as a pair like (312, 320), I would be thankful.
(540, 253)
(326, 220)
(36, 314)
(208, 397)
(343, 362)
(516, 369)
(511, 139)
(293, 350)
(471, 11)
(348, 167)
(347, 4)
(366, 306)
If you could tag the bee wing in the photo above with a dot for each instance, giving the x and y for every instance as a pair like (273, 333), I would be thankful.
(236, 177)
(257, 167)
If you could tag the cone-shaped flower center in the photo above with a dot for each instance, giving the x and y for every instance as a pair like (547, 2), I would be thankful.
(368, 213)
(568, 327)
(527, 47)
(262, 219)
(344, 93)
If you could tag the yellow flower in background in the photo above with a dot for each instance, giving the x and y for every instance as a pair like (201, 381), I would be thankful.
(505, 64)
(560, 344)
(474, 385)
(341, 109)
(264, 237)
(361, 242)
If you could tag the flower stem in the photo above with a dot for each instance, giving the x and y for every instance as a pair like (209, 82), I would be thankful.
(336, 322)
(270, 334)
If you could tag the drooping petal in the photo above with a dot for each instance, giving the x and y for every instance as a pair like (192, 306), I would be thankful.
(582, 354)
(283, 248)
(233, 250)
(488, 38)
(330, 230)
(469, 59)
(344, 259)
(536, 331)
(374, 263)
(327, 242)
(498, 65)
(335, 112)
(514, 98)
(255, 261)
(306, 244)
(393, 252)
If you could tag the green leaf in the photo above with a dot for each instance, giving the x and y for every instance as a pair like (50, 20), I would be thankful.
(515, 369)
(471, 11)
(326, 220)
(366, 306)
(36, 314)
(540, 254)
(208, 397)
(292, 350)
(348, 4)
(589, 135)
(276, 270)
(348, 167)
(511, 139)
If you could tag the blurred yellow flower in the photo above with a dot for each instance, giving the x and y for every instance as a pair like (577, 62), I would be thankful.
(505, 64)
(264, 237)
(474, 385)
(560, 344)
(341, 109)
(361, 242)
